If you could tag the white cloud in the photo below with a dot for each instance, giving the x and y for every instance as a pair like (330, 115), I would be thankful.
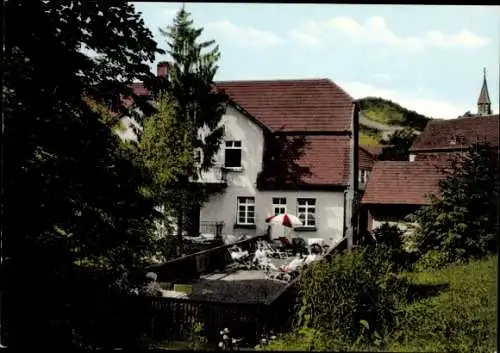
(244, 35)
(418, 102)
(170, 13)
(382, 77)
(375, 30)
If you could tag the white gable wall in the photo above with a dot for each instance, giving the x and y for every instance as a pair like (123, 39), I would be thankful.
(223, 207)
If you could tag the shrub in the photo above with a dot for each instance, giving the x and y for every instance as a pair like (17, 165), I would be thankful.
(355, 293)
(432, 260)
(462, 220)
(389, 239)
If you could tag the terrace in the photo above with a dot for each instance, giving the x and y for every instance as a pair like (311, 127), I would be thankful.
(212, 289)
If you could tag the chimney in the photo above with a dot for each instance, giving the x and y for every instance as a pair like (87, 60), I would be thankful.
(162, 69)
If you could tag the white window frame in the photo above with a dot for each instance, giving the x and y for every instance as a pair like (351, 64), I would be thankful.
(233, 145)
(247, 204)
(279, 205)
(309, 208)
(363, 176)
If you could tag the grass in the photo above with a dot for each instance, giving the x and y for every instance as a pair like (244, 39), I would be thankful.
(455, 311)
(461, 318)
(367, 140)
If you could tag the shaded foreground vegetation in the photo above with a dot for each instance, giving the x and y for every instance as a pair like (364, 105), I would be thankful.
(447, 310)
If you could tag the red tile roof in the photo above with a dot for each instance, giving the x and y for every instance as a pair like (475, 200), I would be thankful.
(375, 151)
(440, 134)
(293, 105)
(289, 105)
(402, 183)
(366, 159)
(328, 160)
(315, 105)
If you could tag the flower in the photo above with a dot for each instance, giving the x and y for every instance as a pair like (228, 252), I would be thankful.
(225, 337)
(226, 330)
(273, 337)
(234, 340)
(221, 333)
(263, 340)
(221, 344)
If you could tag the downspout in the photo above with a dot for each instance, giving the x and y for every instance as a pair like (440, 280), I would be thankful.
(353, 184)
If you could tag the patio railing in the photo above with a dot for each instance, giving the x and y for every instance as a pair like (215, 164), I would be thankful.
(190, 267)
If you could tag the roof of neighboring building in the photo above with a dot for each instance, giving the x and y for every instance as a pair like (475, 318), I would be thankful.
(368, 155)
(402, 183)
(305, 106)
(451, 134)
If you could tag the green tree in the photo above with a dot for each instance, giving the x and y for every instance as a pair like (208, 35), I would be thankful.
(462, 220)
(399, 145)
(166, 154)
(196, 105)
(73, 193)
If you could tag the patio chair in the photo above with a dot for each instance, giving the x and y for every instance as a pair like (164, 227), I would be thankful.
(240, 256)
(273, 252)
(285, 244)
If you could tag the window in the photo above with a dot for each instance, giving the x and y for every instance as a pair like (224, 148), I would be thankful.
(279, 205)
(306, 210)
(198, 156)
(233, 154)
(363, 175)
(246, 210)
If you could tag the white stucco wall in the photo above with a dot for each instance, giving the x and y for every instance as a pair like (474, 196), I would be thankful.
(223, 207)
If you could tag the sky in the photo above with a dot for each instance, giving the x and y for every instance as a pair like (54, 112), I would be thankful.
(426, 58)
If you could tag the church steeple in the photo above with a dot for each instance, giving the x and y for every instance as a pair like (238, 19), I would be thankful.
(483, 102)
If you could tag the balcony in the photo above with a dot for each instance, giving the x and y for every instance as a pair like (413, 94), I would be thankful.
(212, 228)
(215, 175)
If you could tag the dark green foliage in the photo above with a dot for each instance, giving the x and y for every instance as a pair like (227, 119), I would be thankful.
(74, 191)
(462, 221)
(354, 296)
(455, 311)
(189, 103)
(391, 113)
(398, 145)
(389, 239)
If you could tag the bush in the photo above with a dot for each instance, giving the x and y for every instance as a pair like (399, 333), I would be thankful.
(389, 239)
(462, 221)
(432, 260)
(355, 294)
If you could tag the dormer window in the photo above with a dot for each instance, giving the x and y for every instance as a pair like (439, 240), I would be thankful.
(232, 157)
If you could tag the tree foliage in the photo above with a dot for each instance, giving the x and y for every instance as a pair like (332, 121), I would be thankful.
(189, 118)
(462, 220)
(352, 298)
(73, 192)
(398, 145)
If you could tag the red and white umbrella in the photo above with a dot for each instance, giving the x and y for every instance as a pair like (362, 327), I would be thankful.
(285, 219)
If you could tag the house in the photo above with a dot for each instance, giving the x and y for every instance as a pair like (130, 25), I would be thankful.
(289, 146)
(444, 138)
(396, 189)
(368, 155)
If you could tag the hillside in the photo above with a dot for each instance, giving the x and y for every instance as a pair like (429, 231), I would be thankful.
(380, 117)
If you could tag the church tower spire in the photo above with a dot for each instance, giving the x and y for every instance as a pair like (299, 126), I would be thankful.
(483, 102)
